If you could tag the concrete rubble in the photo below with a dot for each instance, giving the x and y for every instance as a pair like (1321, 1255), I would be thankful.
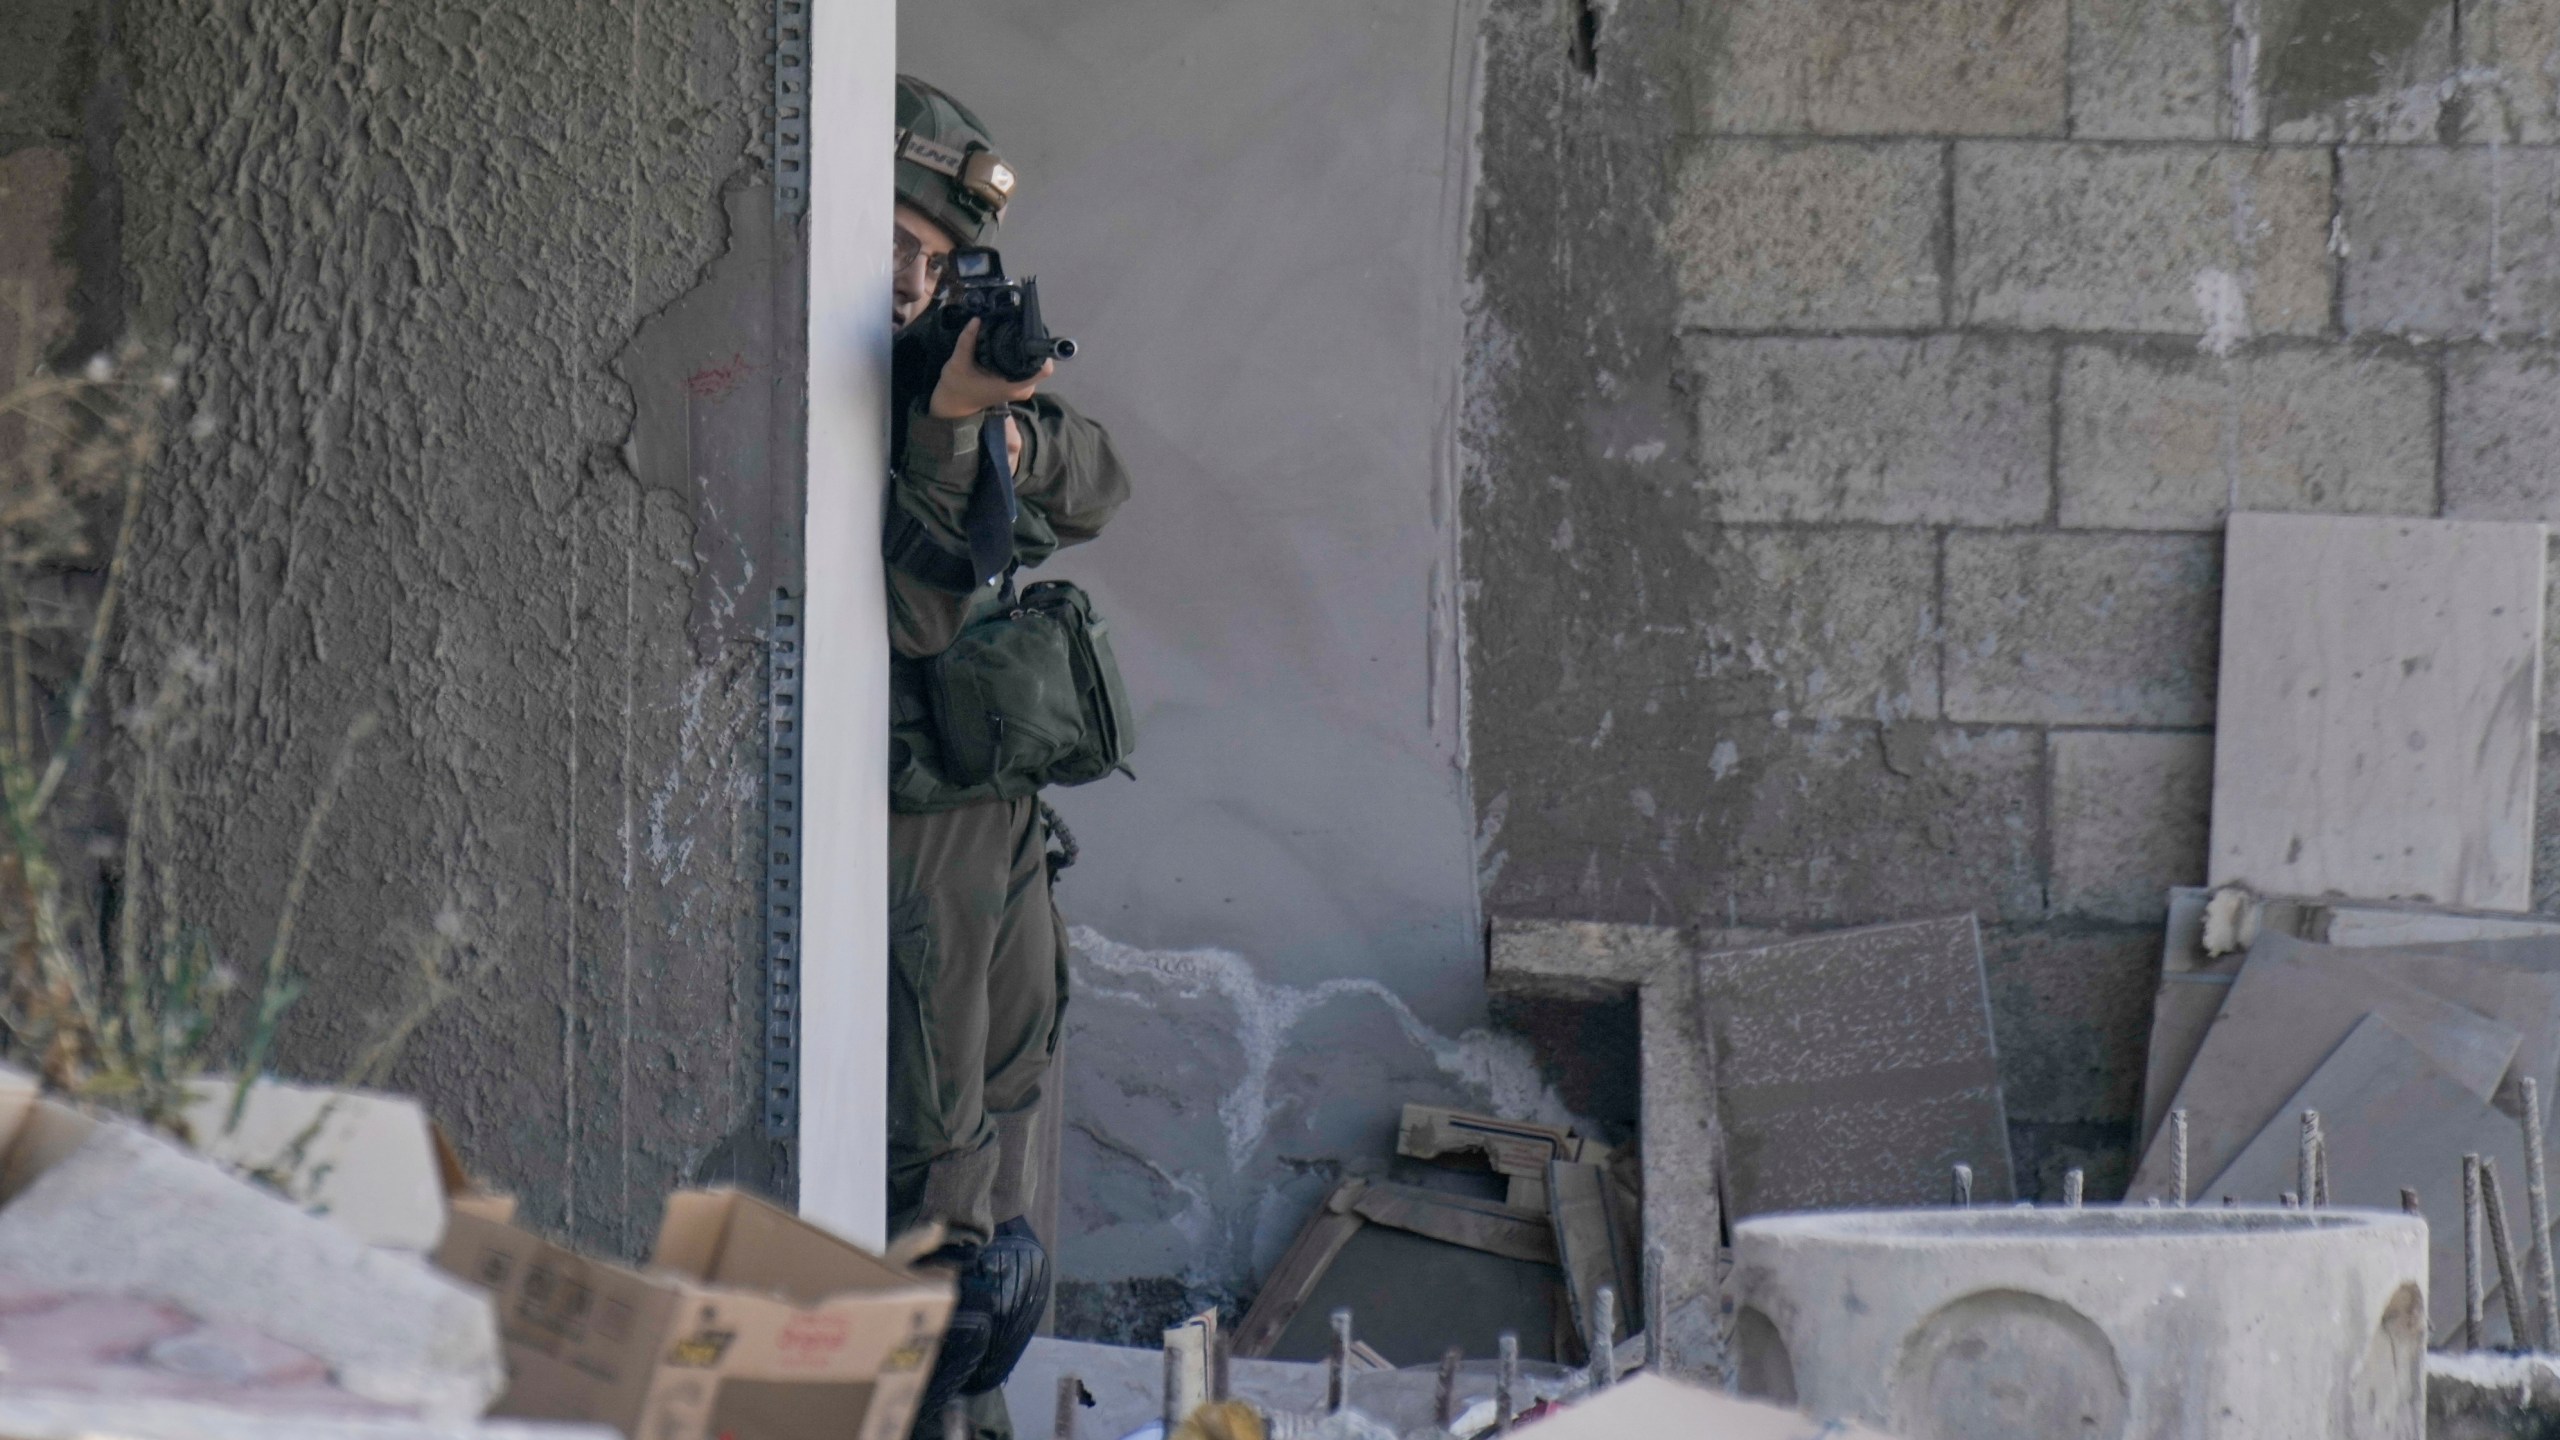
(128, 1213)
(2492, 1397)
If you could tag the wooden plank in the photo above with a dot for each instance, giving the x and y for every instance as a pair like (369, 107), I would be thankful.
(1855, 1069)
(2293, 1003)
(1294, 1278)
(2390, 1120)
(1511, 1147)
(1458, 1220)
(2377, 715)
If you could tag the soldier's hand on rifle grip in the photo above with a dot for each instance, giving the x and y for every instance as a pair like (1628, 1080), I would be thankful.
(966, 388)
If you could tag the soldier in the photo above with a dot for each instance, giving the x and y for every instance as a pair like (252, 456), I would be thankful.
(978, 970)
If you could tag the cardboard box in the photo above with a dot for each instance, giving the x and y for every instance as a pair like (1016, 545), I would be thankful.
(750, 1325)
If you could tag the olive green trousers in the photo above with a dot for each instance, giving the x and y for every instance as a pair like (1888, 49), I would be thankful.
(977, 979)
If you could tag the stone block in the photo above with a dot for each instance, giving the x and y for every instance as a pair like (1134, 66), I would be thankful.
(2502, 436)
(2070, 1010)
(1734, 821)
(129, 1213)
(1808, 235)
(2164, 438)
(2352, 70)
(1888, 67)
(2068, 629)
(2450, 243)
(1937, 431)
(2172, 239)
(2148, 69)
(2129, 812)
(2512, 82)
(1794, 623)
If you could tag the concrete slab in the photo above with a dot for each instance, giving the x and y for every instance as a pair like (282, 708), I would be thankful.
(2292, 1005)
(1855, 1068)
(128, 1212)
(2377, 708)
(2391, 1120)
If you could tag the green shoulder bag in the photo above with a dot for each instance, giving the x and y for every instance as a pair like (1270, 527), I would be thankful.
(1029, 695)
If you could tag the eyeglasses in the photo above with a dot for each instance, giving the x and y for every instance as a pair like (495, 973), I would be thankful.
(907, 250)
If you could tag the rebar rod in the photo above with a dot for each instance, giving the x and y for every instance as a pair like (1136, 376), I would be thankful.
(1070, 1390)
(1444, 1403)
(1653, 1308)
(2474, 1321)
(1603, 1344)
(2502, 1245)
(1963, 1185)
(2537, 1200)
(2178, 1155)
(2074, 1186)
(2307, 1158)
(1337, 1375)
(1506, 1381)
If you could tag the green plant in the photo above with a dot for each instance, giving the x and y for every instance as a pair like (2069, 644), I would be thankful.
(121, 1002)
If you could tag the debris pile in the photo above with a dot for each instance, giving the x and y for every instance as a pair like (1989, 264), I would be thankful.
(319, 1267)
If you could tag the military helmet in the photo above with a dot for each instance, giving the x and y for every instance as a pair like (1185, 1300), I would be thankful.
(947, 167)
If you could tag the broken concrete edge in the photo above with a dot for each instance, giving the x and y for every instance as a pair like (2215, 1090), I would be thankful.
(2485, 1395)
(1599, 960)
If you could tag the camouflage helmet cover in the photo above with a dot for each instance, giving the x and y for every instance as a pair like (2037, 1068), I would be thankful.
(946, 164)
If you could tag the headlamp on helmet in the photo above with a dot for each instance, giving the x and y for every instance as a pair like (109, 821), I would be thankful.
(976, 173)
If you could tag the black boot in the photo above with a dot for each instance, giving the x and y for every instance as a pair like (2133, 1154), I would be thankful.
(1004, 1287)
(964, 1340)
(1010, 1279)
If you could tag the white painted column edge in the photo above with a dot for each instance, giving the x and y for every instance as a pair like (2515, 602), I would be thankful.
(844, 866)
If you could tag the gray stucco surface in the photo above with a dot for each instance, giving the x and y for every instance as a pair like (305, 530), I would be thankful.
(412, 247)
(1252, 215)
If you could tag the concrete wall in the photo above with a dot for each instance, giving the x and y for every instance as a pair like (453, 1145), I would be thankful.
(498, 408)
(1253, 215)
(1858, 389)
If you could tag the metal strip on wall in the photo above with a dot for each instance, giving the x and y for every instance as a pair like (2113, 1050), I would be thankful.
(782, 870)
(790, 109)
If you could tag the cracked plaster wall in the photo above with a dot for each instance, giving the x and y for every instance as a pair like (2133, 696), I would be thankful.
(436, 262)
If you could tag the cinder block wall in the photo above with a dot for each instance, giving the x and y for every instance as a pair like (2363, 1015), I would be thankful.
(1859, 389)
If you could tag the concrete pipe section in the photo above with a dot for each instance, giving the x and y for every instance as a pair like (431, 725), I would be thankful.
(2090, 1324)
